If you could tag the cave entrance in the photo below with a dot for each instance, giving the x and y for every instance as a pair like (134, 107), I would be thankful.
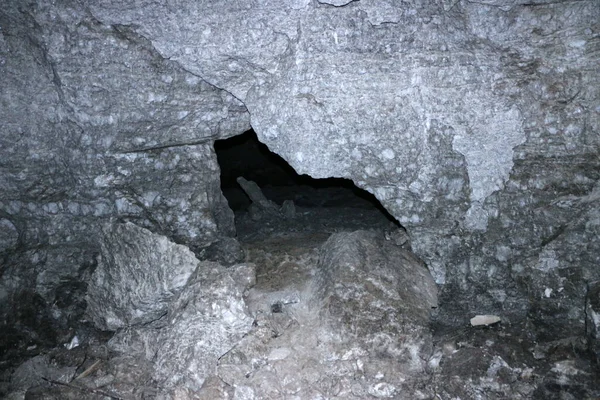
(292, 202)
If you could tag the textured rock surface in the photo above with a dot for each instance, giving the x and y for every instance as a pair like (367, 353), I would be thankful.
(139, 273)
(476, 124)
(593, 320)
(469, 121)
(96, 124)
(205, 322)
(351, 327)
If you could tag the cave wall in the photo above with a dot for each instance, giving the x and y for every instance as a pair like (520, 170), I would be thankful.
(474, 123)
(97, 126)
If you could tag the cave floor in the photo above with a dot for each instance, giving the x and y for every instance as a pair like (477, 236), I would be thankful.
(282, 351)
(500, 361)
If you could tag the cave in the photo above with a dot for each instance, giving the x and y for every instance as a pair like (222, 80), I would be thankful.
(309, 199)
(245, 156)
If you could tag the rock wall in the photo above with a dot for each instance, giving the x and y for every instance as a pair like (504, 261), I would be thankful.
(96, 125)
(476, 124)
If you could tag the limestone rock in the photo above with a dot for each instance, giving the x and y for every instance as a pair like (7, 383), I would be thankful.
(475, 123)
(443, 110)
(593, 320)
(207, 319)
(102, 129)
(138, 274)
(352, 329)
(484, 320)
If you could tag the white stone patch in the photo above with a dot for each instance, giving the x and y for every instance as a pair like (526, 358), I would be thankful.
(101, 209)
(488, 150)
(299, 156)
(383, 193)
(547, 261)
(388, 154)
(154, 97)
(434, 360)
(577, 43)
(192, 80)
(279, 354)
(103, 180)
(595, 317)
(298, 4)
(547, 292)
(503, 253)
(566, 367)
(149, 198)
(476, 217)
(123, 171)
(382, 390)
(484, 320)
(122, 205)
(73, 343)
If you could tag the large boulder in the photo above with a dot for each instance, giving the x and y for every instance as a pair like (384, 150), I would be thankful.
(355, 327)
(139, 274)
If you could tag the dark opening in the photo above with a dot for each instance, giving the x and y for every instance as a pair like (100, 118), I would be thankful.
(246, 156)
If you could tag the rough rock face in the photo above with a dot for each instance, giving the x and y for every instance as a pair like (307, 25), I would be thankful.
(593, 320)
(476, 124)
(96, 124)
(202, 323)
(471, 122)
(355, 327)
(167, 307)
(138, 274)
(208, 319)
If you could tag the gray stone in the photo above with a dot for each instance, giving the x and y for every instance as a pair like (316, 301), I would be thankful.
(288, 209)
(100, 130)
(355, 327)
(207, 319)
(257, 197)
(592, 323)
(9, 236)
(137, 276)
(475, 123)
(441, 110)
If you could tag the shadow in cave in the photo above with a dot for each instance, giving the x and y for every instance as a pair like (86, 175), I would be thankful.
(332, 202)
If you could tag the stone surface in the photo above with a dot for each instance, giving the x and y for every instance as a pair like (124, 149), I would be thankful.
(592, 323)
(476, 124)
(204, 323)
(351, 326)
(139, 273)
(460, 117)
(501, 363)
(95, 125)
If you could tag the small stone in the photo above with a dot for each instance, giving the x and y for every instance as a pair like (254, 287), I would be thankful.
(484, 320)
